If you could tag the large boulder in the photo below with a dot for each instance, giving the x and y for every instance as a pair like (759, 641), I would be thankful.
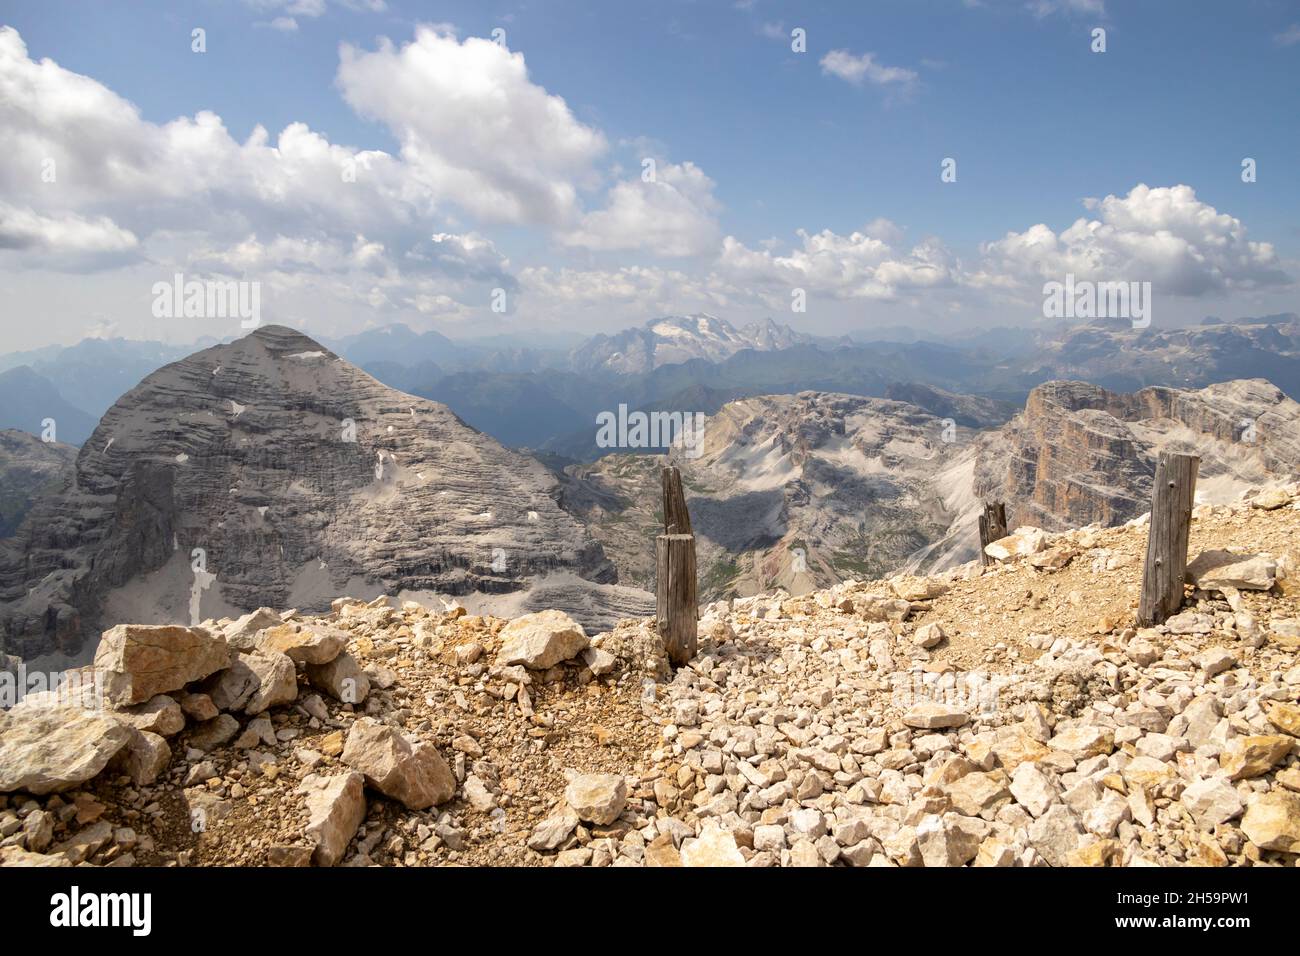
(138, 661)
(554, 830)
(231, 688)
(214, 733)
(713, 847)
(541, 640)
(46, 750)
(342, 678)
(414, 774)
(277, 681)
(144, 758)
(304, 643)
(242, 634)
(1020, 543)
(1255, 755)
(17, 856)
(336, 806)
(933, 715)
(1272, 821)
(158, 715)
(1211, 801)
(1216, 570)
(950, 840)
(254, 682)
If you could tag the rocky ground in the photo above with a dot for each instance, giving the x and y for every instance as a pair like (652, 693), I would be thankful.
(1009, 716)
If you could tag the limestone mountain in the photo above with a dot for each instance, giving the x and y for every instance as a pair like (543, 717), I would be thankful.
(269, 471)
(1113, 354)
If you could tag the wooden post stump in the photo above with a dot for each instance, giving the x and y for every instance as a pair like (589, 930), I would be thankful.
(1171, 519)
(675, 599)
(676, 602)
(993, 525)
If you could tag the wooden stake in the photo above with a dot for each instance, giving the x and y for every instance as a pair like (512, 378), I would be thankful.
(675, 599)
(1171, 519)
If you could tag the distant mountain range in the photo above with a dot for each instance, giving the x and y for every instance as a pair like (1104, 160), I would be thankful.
(675, 339)
(545, 396)
(28, 400)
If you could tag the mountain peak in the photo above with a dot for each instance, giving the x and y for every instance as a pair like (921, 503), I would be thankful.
(299, 478)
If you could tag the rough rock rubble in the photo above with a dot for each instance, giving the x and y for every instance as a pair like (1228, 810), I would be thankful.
(1008, 716)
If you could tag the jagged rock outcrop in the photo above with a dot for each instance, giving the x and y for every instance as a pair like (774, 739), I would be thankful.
(270, 472)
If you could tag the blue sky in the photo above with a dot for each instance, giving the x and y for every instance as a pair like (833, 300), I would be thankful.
(756, 143)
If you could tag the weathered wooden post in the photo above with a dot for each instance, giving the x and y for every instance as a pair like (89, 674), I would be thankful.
(1171, 519)
(993, 525)
(676, 601)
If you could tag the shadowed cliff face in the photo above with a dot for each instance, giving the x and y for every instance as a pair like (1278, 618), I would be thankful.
(290, 477)
(1079, 454)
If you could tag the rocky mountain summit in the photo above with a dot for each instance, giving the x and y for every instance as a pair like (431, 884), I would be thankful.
(270, 472)
(1008, 716)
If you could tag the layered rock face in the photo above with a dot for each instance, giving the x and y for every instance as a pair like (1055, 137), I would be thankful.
(1079, 454)
(271, 472)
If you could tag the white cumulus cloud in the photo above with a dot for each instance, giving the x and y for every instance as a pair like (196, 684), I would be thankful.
(863, 68)
(1163, 235)
(674, 214)
(474, 128)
